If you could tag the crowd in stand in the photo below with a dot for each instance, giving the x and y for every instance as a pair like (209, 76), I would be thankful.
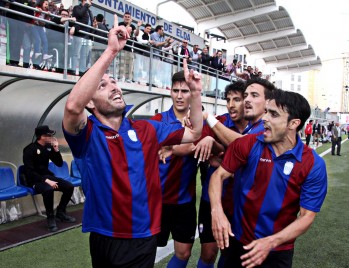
(43, 38)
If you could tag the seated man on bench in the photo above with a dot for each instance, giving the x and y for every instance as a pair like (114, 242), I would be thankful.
(36, 157)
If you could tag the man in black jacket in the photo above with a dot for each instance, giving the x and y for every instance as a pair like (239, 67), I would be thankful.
(36, 157)
(218, 62)
(83, 14)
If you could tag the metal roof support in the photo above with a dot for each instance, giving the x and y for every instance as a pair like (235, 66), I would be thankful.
(291, 62)
(206, 24)
(261, 37)
(275, 51)
(299, 69)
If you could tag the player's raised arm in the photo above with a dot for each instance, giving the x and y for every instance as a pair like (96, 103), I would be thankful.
(193, 80)
(74, 116)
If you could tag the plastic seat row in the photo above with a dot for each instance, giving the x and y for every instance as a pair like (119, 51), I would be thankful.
(10, 190)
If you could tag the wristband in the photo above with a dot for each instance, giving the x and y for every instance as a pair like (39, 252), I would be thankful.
(211, 121)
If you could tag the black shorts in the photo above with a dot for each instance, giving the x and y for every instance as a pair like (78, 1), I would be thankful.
(275, 259)
(205, 222)
(110, 252)
(180, 221)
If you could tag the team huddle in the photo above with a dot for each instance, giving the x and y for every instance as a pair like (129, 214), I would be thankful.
(261, 186)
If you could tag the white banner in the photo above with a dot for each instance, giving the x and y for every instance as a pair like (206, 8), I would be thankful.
(137, 13)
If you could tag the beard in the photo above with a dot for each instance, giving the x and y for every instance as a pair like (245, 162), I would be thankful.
(249, 117)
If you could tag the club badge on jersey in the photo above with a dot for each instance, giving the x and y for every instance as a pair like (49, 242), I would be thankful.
(288, 168)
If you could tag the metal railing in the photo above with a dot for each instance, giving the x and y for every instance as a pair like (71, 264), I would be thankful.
(137, 63)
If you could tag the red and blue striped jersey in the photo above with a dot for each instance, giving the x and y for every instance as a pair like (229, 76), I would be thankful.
(178, 175)
(269, 190)
(120, 175)
(255, 128)
(226, 120)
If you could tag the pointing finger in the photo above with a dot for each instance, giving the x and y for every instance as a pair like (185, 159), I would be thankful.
(116, 23)
(185, 68)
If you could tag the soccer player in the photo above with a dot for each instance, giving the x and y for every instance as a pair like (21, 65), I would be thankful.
(233, 119)
(120, 177)
(255, 95)
(178, 182)
(281, 185)
(254, 108)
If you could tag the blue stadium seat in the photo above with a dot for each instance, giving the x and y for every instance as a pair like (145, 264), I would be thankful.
(75, 169)
(22, 181)
(8, 187)
(63, 172)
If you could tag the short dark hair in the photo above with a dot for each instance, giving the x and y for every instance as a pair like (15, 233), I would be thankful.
(293, 103)
(268, 87)
(235, 61)
(127, 13)
(147, 25)
(99, 18)
(61, 10)
(159, 27)
(178, 77)
(238, 86)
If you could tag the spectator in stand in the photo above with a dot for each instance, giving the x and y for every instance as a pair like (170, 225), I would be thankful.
(249, 71)
(17, 25)
(244, 75)
(39, 34)
(184, 51)
(230, 70)
(159, 40)
(254, 73)
(56, 36)
(205, 59)
(218, 62)
(308, 132)
(127, 22)
(195, 57)
(61, 6)
(170, 49)
(144, 38)
(52, 7)
(260, 74)
(98, 23)
(28, 37)
(83, 14)
(235, 70)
